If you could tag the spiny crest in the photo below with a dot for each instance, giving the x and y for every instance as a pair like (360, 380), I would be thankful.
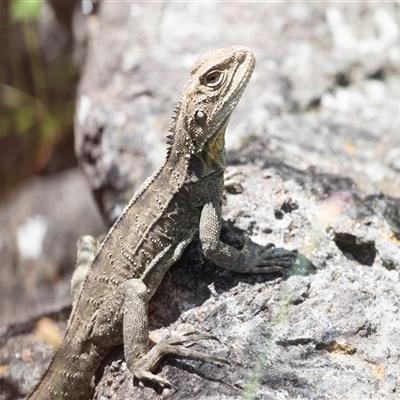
(170, 140)
(172, 125)
(174, 117)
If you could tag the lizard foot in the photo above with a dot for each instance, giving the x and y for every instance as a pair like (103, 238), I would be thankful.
(266, 259)
(174, 345)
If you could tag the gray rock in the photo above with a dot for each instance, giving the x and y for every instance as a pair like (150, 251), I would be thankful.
(333, 68)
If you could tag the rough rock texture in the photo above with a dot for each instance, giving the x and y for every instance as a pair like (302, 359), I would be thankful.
(329, 332)
(314, 149)
(326, 83)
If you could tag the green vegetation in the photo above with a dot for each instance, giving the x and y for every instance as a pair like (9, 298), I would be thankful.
(25, 10)
(36, 95)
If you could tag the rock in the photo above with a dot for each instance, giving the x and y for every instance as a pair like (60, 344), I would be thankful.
(326, 80)
(312, 147)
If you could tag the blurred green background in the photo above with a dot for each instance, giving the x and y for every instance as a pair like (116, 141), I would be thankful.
(38, 80)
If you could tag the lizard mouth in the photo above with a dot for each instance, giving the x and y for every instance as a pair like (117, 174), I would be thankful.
(234, 95)
(248, 67)
(215, 145)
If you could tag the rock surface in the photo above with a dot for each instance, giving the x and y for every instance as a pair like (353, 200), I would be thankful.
(314, 152)
(326, 83)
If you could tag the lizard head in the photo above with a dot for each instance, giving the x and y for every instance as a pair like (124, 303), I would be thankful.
(218, 79)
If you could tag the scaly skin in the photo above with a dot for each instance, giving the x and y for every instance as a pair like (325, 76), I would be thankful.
(180, 200)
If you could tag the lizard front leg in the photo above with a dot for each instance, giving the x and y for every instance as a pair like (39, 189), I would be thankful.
(253, 258)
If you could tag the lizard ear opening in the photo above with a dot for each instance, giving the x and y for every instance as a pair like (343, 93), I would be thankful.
(200, 117)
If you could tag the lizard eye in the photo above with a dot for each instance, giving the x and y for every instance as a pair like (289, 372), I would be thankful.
(214, 78)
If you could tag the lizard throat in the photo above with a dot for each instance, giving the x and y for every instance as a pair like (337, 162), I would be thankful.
(214, 150)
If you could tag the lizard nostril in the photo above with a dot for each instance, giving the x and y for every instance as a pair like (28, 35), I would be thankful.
(240, 56)
(241, 53)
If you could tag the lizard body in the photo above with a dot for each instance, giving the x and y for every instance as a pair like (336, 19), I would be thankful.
(179, 201)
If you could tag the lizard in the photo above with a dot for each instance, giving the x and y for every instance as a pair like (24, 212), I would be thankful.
(181, 200)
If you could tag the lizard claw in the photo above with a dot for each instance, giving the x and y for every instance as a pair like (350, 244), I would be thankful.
(190, 336)
(173, 345)
(268, 258)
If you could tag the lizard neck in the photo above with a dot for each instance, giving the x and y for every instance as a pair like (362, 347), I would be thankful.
(194, 167)
(191, 157)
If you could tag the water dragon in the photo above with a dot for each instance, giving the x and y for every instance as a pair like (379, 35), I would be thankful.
(182, 199)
